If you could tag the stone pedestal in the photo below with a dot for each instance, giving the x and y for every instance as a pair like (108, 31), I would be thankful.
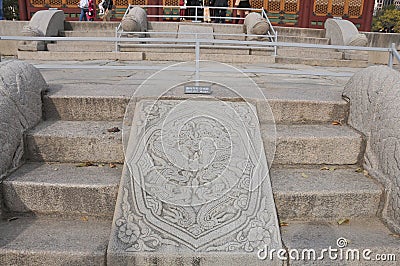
(20, 109)
(256, 25)
(44, 23)
(135, 20)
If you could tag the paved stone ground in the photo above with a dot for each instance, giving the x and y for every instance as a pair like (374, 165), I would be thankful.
(114, 78)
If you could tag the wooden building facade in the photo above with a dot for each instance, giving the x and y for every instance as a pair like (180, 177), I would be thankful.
(297, 13)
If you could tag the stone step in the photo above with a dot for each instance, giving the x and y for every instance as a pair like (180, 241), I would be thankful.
(310, 53)
(79, 56)
(62, 189)
(77, 141)
(302, 39)
(82, 48)
(52, 241)
(331, 193)
(134, 56)
(108, 103)
(295, 31)
(207, 50)
(81, 108)
(76, 33)
(90, 26)
(71, 141)
(358, 234)
(224, 58)
(72, 54)
(300, 193)
(356, 55)
(313, 144)
(321, 62)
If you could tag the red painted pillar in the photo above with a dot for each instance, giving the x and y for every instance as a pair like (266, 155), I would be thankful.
(367, 15)
(154, 10)
(305, 12)
(302, 12)
(23, 12)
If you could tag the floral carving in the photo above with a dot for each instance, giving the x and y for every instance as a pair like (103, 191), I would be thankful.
(261, 231)
(135, 233)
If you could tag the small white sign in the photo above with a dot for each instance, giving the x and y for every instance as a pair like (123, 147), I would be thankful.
(197, 90)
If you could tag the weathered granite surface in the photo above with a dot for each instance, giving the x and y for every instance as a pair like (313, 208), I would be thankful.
(188, 31)
(20, 109)
(50, 22)
(135, 20)
(31, 31)
(43, 23)
(29, 241)
(344, 32)
(256, 24)
(195, 188)
(1, 205)
(374, 95)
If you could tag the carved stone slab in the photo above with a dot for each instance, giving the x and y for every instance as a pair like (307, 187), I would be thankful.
(195, 187)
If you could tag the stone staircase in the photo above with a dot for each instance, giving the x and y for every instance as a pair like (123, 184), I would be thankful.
(83, 50)
(312, 56)
(59, 206)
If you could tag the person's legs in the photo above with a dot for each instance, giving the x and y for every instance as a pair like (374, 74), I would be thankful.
(223, 15)
(218, 15)
(107, 15)
(82, 17)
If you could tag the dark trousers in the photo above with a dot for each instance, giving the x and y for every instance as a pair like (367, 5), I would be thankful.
(220, 14)
(82, 16)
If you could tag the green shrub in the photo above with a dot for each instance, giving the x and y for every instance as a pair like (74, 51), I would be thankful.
(10, 9)
(387, 20)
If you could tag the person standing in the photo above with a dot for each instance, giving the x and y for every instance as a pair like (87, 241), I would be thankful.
(182, 9)
(242, 13)
(1, 10)
(108, 5)
(206, 15)
(91, 14)
(220, 13)
(83, 5)
(190, 11)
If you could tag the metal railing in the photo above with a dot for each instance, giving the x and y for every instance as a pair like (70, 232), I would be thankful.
(196, 14)
(271, 30)
(198, 43)
(393, 54)
(203, 36)
(271, 34)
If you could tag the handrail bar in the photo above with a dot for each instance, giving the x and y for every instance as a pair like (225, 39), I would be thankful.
(242, 47)
(393, 54)
(126, 12)
(201, 7)
(190, 33)
(196, 16)
(176, 40)
(272, 37)
(396, 55)
(264, 14)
